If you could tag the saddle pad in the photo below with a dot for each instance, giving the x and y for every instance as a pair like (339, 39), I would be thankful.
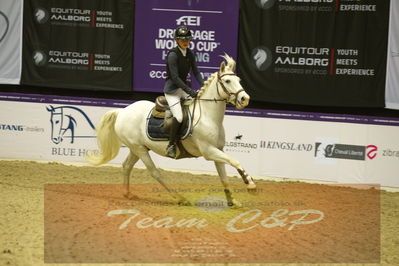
(156, 132)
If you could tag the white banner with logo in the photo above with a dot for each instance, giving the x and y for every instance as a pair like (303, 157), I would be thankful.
(63, 130)
(11, 13)
(392, 83)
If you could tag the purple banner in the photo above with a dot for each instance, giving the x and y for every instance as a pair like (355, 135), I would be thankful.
(214, 25)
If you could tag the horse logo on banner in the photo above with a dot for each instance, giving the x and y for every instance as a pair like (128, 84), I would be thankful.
(265, 4)
(41, 15)
(65, 121)
(39, 58)
(262, 58)
(4, 26)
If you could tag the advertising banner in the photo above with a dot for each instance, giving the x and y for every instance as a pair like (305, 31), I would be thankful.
(214, 25)
(266, 143)
(78, 44)
(10, 41)
(392, 85)
(330, 52)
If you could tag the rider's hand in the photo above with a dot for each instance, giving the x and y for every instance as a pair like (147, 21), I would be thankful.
(188, 100)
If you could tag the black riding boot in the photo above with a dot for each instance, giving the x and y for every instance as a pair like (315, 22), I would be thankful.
(174, 129)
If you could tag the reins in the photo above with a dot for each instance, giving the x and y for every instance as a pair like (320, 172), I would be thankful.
(219, 81)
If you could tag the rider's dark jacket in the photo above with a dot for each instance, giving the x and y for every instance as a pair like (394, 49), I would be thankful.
(177, 68)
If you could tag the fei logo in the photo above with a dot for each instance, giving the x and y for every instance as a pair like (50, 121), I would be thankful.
(41, 15)
(69, 122)
(261, 58)
(189, 21)
(4, 26)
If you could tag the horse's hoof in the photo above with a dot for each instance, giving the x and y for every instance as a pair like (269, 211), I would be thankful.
(252, 189)
(234, 204)
(130, 196)
(251, 186)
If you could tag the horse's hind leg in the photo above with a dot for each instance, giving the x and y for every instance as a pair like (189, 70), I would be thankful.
(127, 168)
(220, 167)
(142, 152)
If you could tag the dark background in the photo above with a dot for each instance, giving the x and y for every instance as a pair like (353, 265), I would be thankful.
(376, 109)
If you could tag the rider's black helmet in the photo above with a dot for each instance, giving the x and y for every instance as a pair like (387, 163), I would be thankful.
(183, 33)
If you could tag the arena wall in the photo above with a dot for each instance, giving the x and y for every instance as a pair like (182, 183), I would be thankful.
(315, 146)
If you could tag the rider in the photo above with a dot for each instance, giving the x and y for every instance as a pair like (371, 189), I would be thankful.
(179, 61)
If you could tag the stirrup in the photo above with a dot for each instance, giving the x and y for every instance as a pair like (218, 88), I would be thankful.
(171, 151)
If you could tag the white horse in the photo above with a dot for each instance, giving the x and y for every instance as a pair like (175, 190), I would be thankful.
(128, 126)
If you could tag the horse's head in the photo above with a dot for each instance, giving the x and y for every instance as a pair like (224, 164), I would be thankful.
(230, 85)
(56, 120)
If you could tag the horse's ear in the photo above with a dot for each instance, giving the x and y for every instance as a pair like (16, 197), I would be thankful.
(222, 67)
(230, 64)
(50, 108)
(233, 66)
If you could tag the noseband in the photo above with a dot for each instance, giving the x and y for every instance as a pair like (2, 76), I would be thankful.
(229, 94)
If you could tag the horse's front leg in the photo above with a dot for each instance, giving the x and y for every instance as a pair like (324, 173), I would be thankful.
(232, 202)
(214, 154)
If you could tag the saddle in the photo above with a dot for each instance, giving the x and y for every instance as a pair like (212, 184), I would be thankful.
(158, 124)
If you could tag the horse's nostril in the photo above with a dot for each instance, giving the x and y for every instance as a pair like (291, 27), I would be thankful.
(242, 99)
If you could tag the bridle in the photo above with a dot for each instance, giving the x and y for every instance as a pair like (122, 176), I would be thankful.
(225, 90)
(229, 94)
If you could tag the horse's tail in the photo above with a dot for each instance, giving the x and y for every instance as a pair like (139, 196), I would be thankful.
(107, 140)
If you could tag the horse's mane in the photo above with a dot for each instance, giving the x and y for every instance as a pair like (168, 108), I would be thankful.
(206, 84)
(230, 66)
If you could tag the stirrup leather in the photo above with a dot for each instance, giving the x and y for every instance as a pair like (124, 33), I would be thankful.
(171, 151)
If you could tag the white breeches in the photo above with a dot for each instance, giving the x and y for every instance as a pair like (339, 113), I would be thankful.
(174, 103)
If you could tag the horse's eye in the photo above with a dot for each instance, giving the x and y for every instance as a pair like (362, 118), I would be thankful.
(57, 122)
(227, 81)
